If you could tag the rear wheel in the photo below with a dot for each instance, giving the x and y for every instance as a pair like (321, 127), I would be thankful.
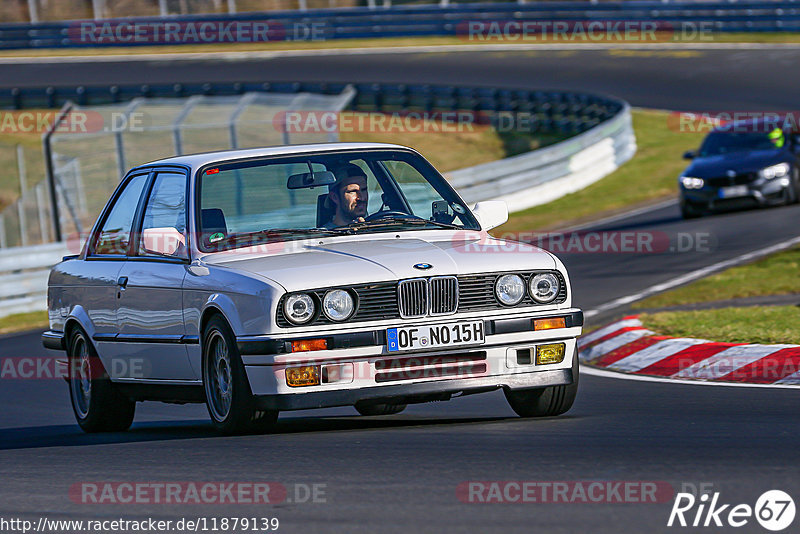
(229, 399)
(96, 402)
(380, 409)
(544, 402)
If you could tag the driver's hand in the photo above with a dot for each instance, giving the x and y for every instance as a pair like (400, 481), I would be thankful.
(360, 219)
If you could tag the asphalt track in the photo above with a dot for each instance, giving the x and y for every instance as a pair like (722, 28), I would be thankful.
(400, 473)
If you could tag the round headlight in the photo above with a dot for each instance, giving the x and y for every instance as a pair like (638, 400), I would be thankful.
(338, 304)
(509, 289)
(544, 287)
(299, 308)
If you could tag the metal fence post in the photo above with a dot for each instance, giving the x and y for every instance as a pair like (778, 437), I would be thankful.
(162, 8)
(23, 192)
(48, 163)
(3, 242)
(40, 206)
(303, 5)
(99, 9)
(33, 11)
(232, 6)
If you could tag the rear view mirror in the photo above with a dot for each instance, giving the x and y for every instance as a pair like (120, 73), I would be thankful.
(491, 213)
(310, 179)
(689, 154)
(165, 241)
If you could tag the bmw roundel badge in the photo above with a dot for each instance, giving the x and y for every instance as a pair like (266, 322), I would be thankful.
(423, 266)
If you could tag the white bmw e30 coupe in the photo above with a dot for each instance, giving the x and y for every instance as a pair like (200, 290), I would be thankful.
(302, 277)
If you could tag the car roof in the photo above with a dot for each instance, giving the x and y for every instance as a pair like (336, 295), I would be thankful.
(195, 161)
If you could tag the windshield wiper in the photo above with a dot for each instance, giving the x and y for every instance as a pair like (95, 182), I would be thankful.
(399, 221)
(273, 234)
(282, 232)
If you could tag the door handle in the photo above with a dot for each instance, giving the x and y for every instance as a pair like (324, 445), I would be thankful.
(122, 282)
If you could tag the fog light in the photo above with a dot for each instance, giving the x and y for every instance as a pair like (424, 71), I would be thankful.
(308, 375)
(549, 323)
(305, 345)
(553, 353)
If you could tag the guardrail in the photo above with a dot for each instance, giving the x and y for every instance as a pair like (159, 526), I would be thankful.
(544, 175)
(405, 21)
(23, 277)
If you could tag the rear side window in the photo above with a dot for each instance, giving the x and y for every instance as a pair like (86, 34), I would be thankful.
(115, 234)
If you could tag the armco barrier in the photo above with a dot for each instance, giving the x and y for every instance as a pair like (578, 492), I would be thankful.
(23, 277)
(543, 175)
(431, 20)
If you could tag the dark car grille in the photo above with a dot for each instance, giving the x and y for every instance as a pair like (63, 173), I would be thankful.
(739, 179)
(419, 297)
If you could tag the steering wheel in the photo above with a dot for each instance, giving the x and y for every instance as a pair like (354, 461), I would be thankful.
(389, 214)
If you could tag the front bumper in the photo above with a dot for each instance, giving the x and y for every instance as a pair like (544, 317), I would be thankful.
(364, 370)
(759, 193)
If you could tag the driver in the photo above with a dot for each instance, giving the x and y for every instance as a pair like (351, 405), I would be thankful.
(348, 196)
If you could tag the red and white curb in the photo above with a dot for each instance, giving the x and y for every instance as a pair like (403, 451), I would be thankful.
(627, 346)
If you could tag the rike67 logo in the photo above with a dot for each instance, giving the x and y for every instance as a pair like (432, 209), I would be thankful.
(774, 510)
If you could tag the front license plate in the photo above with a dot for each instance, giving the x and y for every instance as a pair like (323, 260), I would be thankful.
(432, 336)
(733, 191)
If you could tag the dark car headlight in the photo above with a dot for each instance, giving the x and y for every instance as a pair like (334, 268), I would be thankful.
(775, 171)
(690, 182)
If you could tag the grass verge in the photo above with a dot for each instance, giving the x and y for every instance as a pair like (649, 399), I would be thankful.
(650, 176)
(22, 322)
(758, 324)
(774, 275)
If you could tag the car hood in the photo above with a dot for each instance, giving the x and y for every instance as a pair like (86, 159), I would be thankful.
(740, 162)
(344, 261)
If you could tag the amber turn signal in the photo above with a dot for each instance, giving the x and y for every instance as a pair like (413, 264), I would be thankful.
(305, 345)
(549, 323)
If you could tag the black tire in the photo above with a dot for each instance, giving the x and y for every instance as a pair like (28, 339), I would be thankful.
(97, 404)
(545, 402)
(689, 212)
(229, 399)
(380, 409)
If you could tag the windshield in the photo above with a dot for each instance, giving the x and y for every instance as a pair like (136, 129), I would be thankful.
(719, 143)
(287, 198)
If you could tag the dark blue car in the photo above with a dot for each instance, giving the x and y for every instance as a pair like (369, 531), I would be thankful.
(740, 165)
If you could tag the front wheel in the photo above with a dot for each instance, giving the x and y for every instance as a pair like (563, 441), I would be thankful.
(690, 212)
(96, 402)
(228, 396)
(545, 402)
(380, 409)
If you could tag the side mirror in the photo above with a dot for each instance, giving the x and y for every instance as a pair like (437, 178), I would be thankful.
(165, 241)
(310, 179)
(491, 213)
(689, 154)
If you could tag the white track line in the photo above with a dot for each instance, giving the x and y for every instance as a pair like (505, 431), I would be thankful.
(423, 49)
(594, 371)
(694, 275)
